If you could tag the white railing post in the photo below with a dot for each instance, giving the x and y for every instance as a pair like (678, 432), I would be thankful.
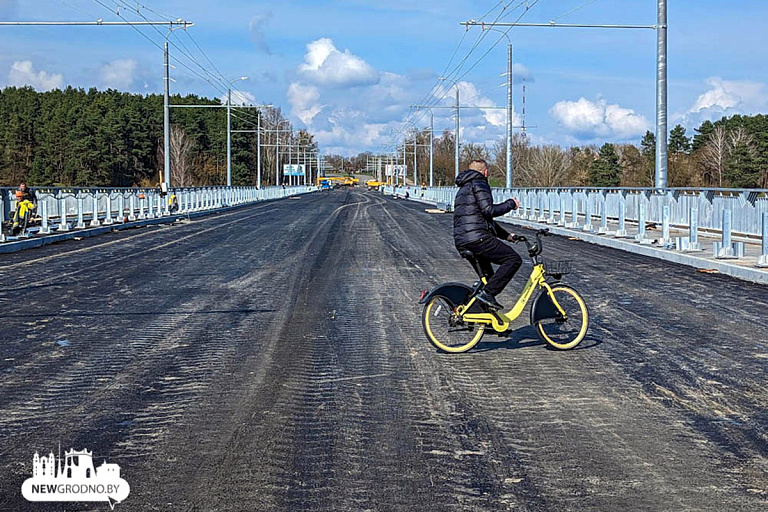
(44, 228)
(641, 222)
(108, 220)
(80, 212)
(2, 217)
(763, 261)
(132, 207)
(95, 218)
(63, 224)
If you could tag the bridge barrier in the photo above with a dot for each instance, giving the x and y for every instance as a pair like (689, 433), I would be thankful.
(94, 207)
(728, 212)
(763, 261)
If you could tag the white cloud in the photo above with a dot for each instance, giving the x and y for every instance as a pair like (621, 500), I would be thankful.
(304, 101)
(118, 74)
(479, 122)
(325, 65)
(366, 118)
(257, 28)
(725, 98)
(239, 98)
(587, 119)
(727, 94)
(23, 73)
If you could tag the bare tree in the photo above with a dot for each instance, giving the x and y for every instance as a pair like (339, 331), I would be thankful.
(715, 153)
(181, 157)
(547, 166)
(472, 151)
(740, 136)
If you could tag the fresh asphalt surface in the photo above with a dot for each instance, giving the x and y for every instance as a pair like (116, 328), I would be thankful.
(273, 358)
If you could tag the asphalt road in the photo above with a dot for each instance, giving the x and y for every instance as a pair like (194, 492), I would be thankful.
(272, 358)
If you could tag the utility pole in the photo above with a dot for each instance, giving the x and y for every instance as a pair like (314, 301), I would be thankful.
(661, 97)
(167, 120)
(431, 148)
(523, 113)
(509, 116)
(258, 149)
(415, 151)
(456, 144)
(405, 165)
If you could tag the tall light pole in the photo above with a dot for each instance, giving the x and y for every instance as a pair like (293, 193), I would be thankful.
(277, 151)
(229, 129)
(415, 151)
(431, 148)
(258, 149)
(456, 157)
(661, 96)
(509, 115)
(167, 120)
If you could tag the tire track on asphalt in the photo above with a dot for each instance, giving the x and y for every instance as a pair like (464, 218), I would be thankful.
(159, 372)
(593, 420)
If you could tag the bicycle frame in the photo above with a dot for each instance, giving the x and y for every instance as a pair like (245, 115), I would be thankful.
(500, 322)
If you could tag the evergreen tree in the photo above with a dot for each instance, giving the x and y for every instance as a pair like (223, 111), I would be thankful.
(678, 142)
(605, 171)
(702, 135)
(111, 138)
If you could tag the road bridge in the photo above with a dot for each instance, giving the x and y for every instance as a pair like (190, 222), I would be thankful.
(272, 358)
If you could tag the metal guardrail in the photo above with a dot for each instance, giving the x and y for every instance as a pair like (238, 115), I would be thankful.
(741, 212)
(63, 209)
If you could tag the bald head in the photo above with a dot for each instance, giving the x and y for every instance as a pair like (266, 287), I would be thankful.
(480, 166)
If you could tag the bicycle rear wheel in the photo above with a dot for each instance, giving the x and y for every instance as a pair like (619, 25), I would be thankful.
(564, 333)
(447, 332)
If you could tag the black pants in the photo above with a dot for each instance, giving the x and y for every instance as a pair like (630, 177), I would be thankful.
(492, 250)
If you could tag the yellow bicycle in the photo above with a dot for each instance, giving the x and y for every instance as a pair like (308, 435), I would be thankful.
(455, 321)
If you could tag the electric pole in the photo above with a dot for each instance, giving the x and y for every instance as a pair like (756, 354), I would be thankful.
(456, 157)
(509, 116)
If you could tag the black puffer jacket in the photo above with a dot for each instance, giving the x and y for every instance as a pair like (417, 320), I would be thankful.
(473, 209)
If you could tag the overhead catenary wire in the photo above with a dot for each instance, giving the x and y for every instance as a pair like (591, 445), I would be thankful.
(430, 94)
(573, 10)
(434, 100)
(187, 52)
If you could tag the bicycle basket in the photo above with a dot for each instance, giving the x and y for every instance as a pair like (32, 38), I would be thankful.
(557, 267)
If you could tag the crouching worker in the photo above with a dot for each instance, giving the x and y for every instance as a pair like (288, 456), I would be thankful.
(26, 202)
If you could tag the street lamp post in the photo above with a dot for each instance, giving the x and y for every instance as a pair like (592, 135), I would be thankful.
(277, 151)
(229, 129)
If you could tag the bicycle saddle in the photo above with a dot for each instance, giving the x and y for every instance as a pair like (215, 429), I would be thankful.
(470, 257)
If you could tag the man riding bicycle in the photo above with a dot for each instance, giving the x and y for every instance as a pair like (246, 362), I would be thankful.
(475, 230)
(26, 202)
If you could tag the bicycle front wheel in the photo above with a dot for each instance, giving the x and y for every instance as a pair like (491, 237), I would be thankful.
(564, 333)
(447, 332)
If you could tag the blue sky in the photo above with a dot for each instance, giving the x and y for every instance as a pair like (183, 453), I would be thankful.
(348, 70)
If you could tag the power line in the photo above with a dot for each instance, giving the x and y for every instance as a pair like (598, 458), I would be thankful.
(434, 99)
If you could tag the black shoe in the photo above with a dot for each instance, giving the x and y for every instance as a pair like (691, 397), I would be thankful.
(489, 300)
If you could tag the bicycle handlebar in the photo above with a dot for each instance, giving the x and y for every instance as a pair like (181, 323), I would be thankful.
(533, 249)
